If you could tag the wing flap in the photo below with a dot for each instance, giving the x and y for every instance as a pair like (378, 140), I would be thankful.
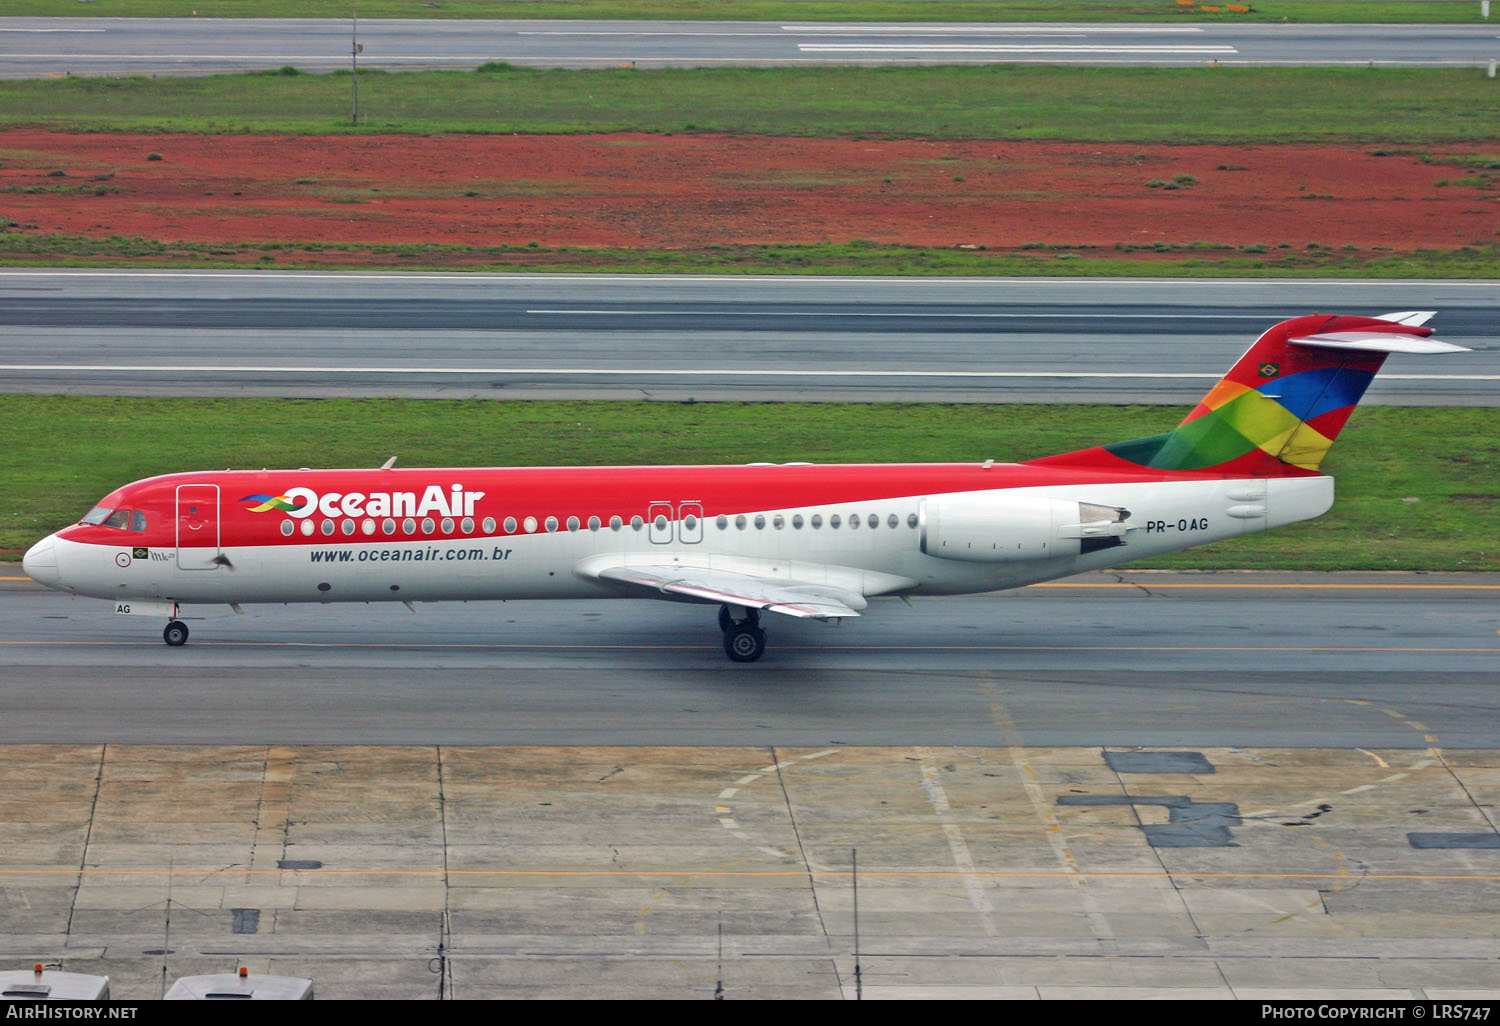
(791, 598)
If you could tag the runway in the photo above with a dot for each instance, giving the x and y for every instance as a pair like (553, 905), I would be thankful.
(32, 47)
(670, 337)
(1143, 658)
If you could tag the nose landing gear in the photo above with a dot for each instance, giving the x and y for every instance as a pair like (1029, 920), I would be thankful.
(175, 634)
(744, 640)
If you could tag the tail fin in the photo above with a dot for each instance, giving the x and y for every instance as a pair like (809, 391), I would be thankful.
(1280, 407)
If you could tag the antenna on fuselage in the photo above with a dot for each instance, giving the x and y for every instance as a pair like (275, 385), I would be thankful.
(388, 464)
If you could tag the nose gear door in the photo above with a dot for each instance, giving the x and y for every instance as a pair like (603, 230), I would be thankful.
(197, 527)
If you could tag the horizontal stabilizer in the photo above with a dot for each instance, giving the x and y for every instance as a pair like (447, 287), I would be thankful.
(1378, 342)
(1414, 318)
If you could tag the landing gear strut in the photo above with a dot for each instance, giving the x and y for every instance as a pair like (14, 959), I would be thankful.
(175, 634)
(744, 641)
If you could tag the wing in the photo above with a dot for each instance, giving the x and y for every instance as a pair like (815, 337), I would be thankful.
(695, 584)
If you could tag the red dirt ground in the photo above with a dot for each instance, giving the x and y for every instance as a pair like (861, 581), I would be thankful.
(687, 191)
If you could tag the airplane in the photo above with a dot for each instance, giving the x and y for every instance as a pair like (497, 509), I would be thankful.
(801, 540)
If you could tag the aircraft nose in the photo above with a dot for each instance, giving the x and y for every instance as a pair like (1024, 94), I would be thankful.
(40, 563)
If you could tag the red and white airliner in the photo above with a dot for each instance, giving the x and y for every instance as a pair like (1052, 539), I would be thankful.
(797, 539)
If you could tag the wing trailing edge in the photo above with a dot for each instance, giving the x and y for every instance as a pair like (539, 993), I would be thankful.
(801, 599)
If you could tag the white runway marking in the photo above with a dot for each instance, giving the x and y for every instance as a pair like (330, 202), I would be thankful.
(988, 30)
(651, 372)
(860, 313)
(1003, 48)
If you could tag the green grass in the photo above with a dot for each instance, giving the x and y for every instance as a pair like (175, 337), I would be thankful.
(1417, 486)
(1137, 105)
(763, 10)
(1190, 260)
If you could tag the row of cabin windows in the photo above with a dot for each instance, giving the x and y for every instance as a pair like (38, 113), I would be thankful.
(427, 525)
(815, 521)
(369, 526)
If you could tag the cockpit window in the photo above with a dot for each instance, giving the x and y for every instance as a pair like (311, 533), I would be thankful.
(138, 520)
(97, 515)
(119, 518)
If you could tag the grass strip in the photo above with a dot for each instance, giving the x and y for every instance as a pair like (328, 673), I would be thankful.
(1138, 105)
(1379, 11)
(1188, 260)
(1417, 486)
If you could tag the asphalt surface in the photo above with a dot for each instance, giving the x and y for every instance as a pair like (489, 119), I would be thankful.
(674, 337)
(32, 47)
(1140, 658)
(433, 872)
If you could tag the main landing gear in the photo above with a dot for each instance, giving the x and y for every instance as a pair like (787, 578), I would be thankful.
(744, 641)
(175, 634)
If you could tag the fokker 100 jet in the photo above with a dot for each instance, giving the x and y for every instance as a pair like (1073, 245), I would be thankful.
(797, 539)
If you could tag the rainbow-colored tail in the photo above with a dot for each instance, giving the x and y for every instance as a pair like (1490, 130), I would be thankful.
(1278, 410)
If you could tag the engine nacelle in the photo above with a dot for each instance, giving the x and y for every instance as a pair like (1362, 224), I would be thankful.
(993, 527)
